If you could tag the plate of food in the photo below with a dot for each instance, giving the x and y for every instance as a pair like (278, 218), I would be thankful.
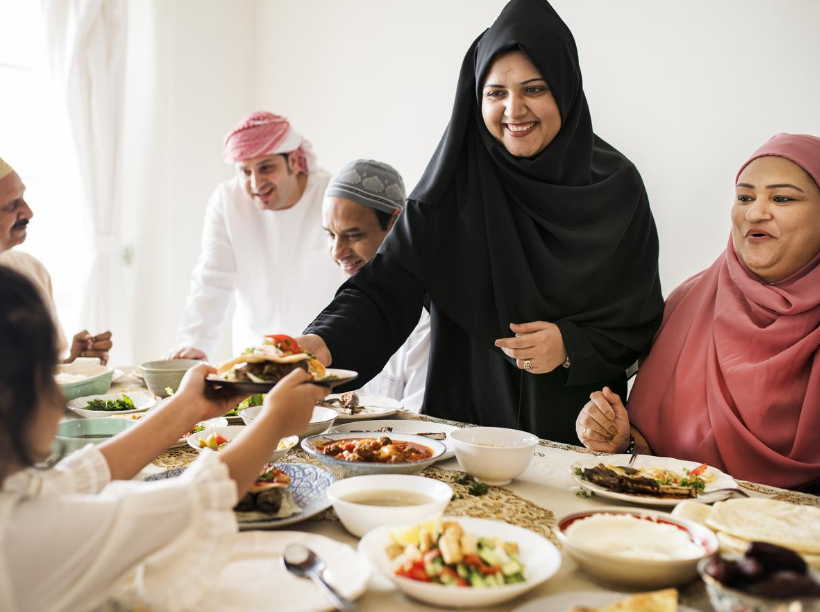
(218, 437)
(259, 368)
(356, 406)
(652, 481)
(434, 431)
(374, 453)
(606, 601)
(458, 562)
(110, 404)
(291, 493)
(254, 578)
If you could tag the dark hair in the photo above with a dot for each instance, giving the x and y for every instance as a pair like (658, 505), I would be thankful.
(28, 354)
(383, 217)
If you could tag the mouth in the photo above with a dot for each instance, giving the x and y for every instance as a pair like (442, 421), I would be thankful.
(21, 225)
(349, 266)
(757, 234)
(519, 130)
(265, 194)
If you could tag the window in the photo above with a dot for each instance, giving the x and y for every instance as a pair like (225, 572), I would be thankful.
(35, 138)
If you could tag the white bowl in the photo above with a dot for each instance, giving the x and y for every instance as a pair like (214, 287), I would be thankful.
(649, 572)
(363, 468)
(142, 402)
(494, 455)
(231, 432)
(359, 518)
(540, 558)
(320, 422)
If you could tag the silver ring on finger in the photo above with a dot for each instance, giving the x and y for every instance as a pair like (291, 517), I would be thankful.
(528, 365)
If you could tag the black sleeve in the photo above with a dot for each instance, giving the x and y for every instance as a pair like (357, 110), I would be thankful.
(370, 317)
(596, 356)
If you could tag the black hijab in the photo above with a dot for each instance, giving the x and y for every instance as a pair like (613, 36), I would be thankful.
(566, 235)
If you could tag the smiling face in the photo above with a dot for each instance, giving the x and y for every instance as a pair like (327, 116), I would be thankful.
(272, 182)
(353, 231)
(14, 212)
(776, 218)
(518, 107)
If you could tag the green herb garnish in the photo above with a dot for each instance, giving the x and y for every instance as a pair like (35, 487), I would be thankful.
(121, 403)
(478, 489)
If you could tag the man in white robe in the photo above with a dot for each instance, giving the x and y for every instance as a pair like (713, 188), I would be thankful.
(262, 243)
(361, 204)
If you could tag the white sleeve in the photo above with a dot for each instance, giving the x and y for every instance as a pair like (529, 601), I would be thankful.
(212, 283)
(417, 356)
(83, 471)
(73, 552)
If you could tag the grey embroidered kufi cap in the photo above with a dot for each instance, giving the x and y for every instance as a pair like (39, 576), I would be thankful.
(369, 183)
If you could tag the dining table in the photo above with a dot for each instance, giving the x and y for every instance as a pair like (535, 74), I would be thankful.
(535, 500)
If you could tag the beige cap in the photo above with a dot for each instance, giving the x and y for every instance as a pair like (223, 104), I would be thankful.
(5, 169)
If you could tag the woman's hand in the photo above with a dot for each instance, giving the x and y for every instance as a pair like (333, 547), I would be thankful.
(291, 402)
(314, 344)
(191, 396)
(537, 348)
(603, 424)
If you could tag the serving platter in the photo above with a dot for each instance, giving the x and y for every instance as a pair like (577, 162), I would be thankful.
(309, 484)
(142, 402)
(588, 599)
(720, 479)
(405, 427)
(254, 578)
(370, 407)
(333, 378)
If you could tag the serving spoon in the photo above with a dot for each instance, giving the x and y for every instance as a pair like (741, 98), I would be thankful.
(303, 562)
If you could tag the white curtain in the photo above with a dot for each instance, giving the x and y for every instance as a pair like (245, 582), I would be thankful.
(86, 51)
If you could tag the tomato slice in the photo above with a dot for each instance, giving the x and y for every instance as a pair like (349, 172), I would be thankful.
(285, 343)
(699, 470)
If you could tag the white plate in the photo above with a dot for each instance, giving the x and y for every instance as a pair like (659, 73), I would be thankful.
(565, 601)
(375, 406)
(407, 427)
(233, 431)
(142, 401)
(540, 558)
(721, 481)
(254, 579)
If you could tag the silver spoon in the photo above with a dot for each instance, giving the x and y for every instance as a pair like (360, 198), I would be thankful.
(304, 562)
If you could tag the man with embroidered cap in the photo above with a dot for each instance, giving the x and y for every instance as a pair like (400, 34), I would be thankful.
(15, 216)
(262, 243)
(361, 204)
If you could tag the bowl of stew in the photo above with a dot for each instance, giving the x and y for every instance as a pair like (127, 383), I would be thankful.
(374, 452)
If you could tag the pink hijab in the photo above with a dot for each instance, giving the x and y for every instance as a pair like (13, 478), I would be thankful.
(733, 378)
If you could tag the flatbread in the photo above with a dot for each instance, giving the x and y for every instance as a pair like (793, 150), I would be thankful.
(656, 601)
(731, 544)
(764, 520)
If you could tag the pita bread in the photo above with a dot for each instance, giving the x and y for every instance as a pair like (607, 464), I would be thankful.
(731, 544)
(656, 601)
(764, 520)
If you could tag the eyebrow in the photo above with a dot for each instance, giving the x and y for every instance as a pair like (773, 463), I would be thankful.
(527, 82)
(775, 186)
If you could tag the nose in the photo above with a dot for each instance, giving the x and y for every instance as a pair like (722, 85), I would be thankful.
(254, 180)
(515, 106)
(758, 211)
(25, 211)
(338, 248)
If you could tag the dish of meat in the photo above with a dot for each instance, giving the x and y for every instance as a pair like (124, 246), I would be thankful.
(652, 481)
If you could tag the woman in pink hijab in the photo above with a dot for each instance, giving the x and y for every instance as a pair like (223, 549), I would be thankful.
(733, 377)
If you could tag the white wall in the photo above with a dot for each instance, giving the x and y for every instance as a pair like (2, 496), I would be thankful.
(686, 88)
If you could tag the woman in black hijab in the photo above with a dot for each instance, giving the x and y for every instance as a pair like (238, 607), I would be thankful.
(524, 216)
